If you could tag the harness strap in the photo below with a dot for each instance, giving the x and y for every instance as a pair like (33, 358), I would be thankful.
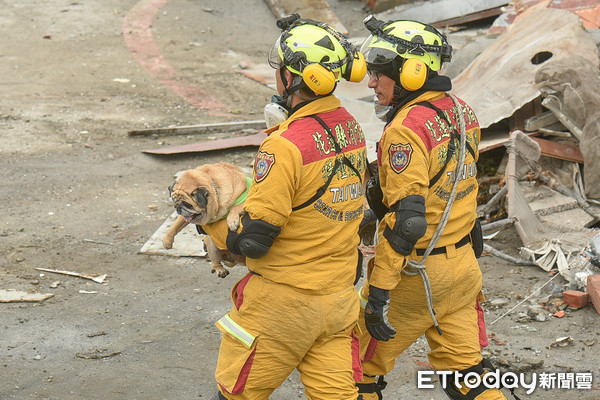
(321, 190)
(336, 165)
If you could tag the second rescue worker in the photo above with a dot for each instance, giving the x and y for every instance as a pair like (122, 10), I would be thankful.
(427, 208)
(298, 307)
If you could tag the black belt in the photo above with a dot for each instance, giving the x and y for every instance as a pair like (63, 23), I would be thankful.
(442, 250)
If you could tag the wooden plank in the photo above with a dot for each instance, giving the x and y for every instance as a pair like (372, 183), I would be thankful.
(200, 128)
(221, 144)
(188, 243)
(477, 16)
(376, 6)
(518, 120)
(432, 12)
(542, 120)
(559, 150)
(317, 10)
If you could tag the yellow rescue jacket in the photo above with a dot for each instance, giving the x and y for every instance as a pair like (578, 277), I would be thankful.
(411, 153)
(316, 250)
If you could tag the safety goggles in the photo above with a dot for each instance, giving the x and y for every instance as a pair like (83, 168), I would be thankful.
(375, 75)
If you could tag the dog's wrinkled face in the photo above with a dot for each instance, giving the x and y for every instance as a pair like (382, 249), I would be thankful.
(192, 201)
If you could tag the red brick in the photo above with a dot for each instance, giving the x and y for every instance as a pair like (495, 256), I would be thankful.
(575, 298)
(593, 289)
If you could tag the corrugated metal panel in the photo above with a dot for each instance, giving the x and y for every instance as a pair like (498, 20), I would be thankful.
(502, 78)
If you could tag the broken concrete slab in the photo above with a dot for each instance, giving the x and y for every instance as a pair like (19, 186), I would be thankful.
(571, 87)
(544, 201)
(501, 79)
(15, 296)
(188, 242)
(554, 208)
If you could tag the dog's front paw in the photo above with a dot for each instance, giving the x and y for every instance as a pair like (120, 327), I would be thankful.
(233, 222)
(167, 242)
(220, 270)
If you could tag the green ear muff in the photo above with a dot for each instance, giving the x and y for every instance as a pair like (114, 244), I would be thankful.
(318, 79)
(413, 74)
(356, 68)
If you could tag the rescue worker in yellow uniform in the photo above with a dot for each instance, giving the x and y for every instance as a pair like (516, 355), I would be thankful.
(417, 159)
(298, 307)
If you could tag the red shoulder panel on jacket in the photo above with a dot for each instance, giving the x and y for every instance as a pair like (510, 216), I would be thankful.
(432, 128)
(314, 143)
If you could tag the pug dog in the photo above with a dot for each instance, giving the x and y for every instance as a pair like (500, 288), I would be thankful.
(205, 196)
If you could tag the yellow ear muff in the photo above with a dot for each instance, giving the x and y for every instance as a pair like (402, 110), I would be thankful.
(356, 68)
(318, 79)
(413, 74)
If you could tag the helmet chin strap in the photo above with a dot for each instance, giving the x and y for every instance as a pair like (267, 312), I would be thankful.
(286, 95)
(297, 84)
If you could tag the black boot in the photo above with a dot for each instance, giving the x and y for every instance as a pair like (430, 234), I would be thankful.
(219, 396)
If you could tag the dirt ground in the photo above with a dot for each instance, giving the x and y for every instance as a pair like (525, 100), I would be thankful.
(79, 195)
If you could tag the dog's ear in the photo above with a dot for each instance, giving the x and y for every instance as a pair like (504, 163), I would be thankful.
(171, 190)
(201, 196)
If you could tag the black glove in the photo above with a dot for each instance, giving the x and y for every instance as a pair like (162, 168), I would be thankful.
(366, 229)
(376, 311)
(374, 196)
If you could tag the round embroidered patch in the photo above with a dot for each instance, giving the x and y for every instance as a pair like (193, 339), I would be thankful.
(400, 156)
(262, 165)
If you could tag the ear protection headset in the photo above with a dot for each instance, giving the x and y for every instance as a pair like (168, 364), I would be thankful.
(321, 77)
(413, 71)
(413, 74)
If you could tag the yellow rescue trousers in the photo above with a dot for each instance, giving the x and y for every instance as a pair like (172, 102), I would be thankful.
(455, 280)
(273, 329)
